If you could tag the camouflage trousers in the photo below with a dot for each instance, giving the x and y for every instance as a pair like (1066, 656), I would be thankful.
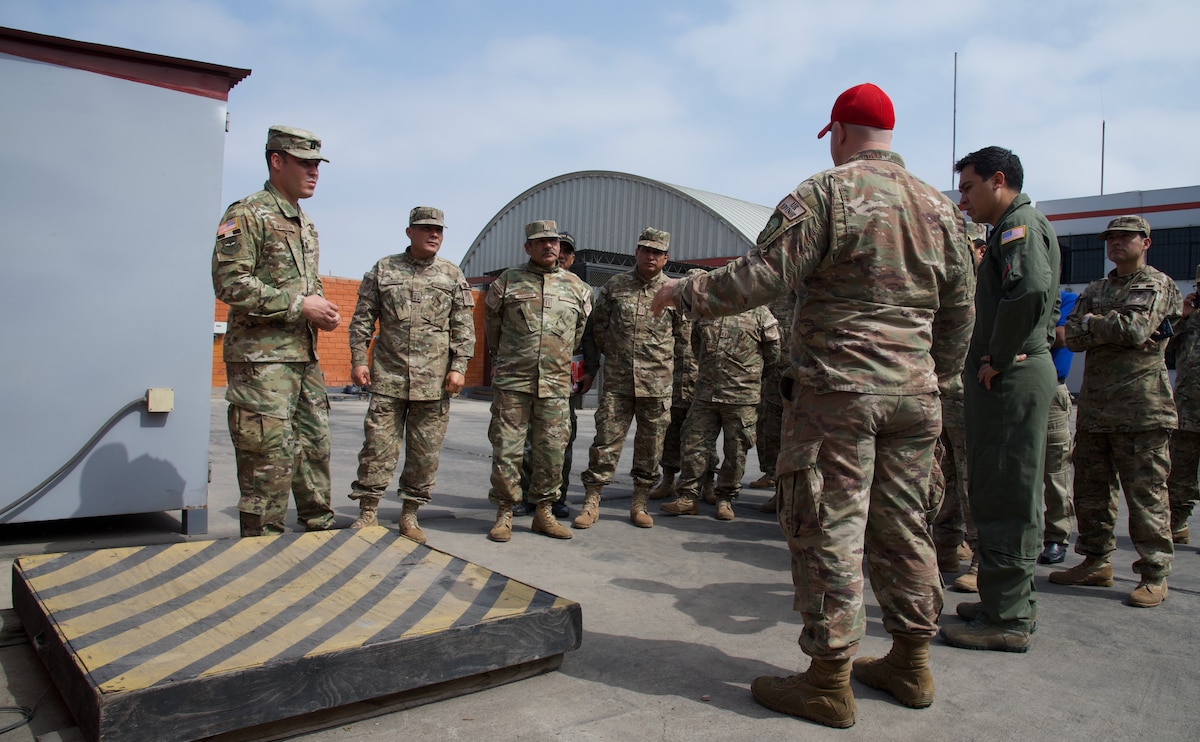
(514, 415)
(279, 425)
(1060, 507)
(698, 439)
(670, 455)
(767, 431)
(568, 453)
(1138, 463)
(418, 425)
(613, 418)
(853, 479)
(1182, 489)
(952, 524)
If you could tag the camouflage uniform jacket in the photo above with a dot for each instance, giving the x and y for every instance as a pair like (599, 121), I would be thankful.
(1125, 384)
(883, 271)
(638, 347)
(683, 382)
(535, 319)
(264, 264)
(732, 352)
(1186, 345)
(426, 327)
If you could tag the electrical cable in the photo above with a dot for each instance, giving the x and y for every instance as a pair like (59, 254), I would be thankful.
(24, 711)
(62, 470)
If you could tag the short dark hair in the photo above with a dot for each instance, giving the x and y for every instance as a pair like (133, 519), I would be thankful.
(991, 160)
(279, 152)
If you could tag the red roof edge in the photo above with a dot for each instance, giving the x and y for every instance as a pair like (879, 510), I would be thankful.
(184, 75)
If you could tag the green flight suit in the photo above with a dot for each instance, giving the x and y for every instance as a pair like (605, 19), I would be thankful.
(1015, 313)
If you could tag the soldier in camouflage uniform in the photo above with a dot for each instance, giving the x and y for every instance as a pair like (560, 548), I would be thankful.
(954, 533)
(683, 385)
(732, 352)
(426, 339)
(264, 267)
(535, 318)
(1182, 489)
(1126, 414)
(882, 322)
(639, 354)
(770, 406)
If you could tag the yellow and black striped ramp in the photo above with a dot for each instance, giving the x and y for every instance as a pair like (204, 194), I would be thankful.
(183, 641)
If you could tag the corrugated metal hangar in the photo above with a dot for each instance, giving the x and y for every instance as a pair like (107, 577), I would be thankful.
(606, 211)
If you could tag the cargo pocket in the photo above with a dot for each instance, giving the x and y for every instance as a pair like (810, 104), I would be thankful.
(799, 484)
(253, 432)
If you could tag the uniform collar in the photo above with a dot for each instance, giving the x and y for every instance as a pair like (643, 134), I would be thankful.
(291, 212)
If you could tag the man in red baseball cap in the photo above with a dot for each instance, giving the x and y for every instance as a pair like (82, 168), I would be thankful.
(885, 283)
(863, 105)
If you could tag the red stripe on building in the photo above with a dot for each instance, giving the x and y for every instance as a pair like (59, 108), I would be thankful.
(1123, 211)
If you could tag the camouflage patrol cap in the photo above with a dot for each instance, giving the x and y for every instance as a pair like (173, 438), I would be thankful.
(299, 143)
(1127, 224)
(655, 239)
(541, 228)
(426, 215)
(566, 241)
(1198, 274)
(976, 231)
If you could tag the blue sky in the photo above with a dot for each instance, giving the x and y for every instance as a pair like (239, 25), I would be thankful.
(464, 104)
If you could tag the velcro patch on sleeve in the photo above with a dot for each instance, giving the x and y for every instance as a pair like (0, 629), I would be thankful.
(791, 208)
(1012, 235)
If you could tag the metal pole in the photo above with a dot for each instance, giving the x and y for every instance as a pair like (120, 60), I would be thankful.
(1102, 127)
(954, 124)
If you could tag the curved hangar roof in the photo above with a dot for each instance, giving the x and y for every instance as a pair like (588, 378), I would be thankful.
(606, 211)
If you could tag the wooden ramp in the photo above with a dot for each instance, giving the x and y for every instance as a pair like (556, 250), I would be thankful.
(184, 641)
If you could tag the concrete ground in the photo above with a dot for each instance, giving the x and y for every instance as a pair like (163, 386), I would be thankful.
(680, 618)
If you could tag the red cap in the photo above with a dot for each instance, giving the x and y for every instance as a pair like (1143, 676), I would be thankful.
(865, 105)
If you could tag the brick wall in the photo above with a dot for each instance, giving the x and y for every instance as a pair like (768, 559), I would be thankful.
(334, 347)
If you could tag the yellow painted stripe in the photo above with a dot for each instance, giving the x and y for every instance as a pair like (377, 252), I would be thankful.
(167, 663)
(380, 566)
(147, 571)
(454, 603)
(72, 569)
(515, 599)
(382, 615)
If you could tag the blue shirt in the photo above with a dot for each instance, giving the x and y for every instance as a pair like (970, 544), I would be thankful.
(1063, 356)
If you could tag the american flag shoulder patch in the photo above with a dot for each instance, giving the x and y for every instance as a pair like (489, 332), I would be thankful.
(1016, 233)
(229, 228)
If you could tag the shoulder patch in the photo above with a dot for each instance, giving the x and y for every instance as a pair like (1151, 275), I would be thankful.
(231, 228)
(791, 208)
(1011, 235)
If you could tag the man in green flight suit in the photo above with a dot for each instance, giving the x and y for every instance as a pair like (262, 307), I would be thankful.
(1009, 380)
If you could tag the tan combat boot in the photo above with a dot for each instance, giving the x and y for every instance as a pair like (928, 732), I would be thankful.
(590, 512)
(502, 531)
(1091, 571)
(665, 488)
(724, 510)
(408, 522)
(368, 509)
(637, 509)
(969, 582)
(965, 552)
(544, 522)
(765, 482)
(770, 506)
(822, 694)
(1149, 593)
(904, 672)
(681, 506)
